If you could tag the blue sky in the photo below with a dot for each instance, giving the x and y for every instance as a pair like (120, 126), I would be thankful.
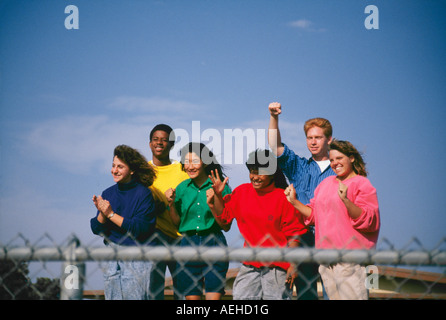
(68, 97)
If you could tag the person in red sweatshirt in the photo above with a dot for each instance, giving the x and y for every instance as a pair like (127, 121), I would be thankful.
(265, 219)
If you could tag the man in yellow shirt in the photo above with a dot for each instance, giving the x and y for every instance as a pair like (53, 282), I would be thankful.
(169, 175)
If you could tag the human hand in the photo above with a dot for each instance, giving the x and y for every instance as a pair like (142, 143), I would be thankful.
(210, 197)
(95, 201)
(275, 109)
(217, 185)
(291, 275)
(290, 194)
(102, 205)
(170, 195)
(342, 191)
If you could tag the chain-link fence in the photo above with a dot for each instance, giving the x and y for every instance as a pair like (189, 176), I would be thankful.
(72, 270)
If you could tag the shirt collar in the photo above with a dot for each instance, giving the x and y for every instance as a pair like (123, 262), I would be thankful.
(127, 186)
(205, 184)
(267, 189)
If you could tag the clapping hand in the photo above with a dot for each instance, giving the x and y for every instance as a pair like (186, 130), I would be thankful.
(102, 205)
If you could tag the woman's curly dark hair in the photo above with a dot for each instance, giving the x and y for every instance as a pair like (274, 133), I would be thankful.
(143, 171)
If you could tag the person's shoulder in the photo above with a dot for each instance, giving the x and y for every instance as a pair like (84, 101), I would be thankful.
(176, 168)
(327, 181)
(289, 154)
(244, 187)
(183, 184)
(330, 178)
(140, 188)
(175, 165)
(362, 181)
(111, 189)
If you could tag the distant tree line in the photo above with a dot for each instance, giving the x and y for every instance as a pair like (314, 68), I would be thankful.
(16, 285)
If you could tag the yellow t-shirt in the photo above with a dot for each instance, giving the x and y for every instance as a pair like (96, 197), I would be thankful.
(167, 177)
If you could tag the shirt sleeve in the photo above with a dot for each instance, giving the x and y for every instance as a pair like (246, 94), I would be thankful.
(292, 222)
(97, 227)
(365, 197)
(178, 195)
(309, 221)
(291, 164)
(230, 202)
(143, 219)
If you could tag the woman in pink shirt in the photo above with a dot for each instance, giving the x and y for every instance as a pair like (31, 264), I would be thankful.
(345, 213)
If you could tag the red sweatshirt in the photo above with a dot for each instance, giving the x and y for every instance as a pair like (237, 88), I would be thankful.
(264, 217)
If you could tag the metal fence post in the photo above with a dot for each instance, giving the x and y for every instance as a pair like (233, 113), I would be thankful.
(73, 273)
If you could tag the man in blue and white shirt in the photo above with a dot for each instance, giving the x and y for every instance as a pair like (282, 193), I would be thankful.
(305, 175)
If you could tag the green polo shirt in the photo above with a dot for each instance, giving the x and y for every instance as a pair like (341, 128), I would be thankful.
(191, 205)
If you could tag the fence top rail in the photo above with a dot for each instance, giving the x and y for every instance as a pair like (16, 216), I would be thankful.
(74, 253)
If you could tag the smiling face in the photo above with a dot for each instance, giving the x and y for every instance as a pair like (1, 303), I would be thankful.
(194, 167)
(160, 145)
(317, 143)
(341, 165)
(121, 171)
(259, 181)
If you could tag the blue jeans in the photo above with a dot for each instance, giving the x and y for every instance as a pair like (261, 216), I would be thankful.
(308, 274)
(158, 274)
(193, 276)
(127, 280)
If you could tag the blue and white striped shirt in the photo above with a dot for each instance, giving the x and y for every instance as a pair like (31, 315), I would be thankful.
(304, 174)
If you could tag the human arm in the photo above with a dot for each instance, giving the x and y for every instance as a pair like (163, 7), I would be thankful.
(292, 274)
(293, 227)
(160, 200)
(363, 196)
(215, 198)
(100, 217)
(170, 196)
(353, 210)
(98, 224)
(274, 138)
(218, 187)
(290, 194)
(106, 211)
(210, 195)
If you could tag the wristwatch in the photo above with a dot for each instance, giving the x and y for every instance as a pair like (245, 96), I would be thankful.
(111, 215)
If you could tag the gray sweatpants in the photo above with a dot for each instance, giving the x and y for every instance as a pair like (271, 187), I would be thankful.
(261, 283)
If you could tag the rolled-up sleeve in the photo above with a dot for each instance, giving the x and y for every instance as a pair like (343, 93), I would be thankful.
(366, 198)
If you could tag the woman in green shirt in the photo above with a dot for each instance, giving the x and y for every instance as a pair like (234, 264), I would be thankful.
(190, 212)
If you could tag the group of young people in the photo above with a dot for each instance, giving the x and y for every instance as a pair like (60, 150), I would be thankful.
(328, 203)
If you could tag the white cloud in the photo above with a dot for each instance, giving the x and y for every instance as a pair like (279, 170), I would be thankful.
(305, 25)
(79, 143)
(301, 24)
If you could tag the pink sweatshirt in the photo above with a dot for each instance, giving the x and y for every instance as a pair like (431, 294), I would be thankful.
(335, 229)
